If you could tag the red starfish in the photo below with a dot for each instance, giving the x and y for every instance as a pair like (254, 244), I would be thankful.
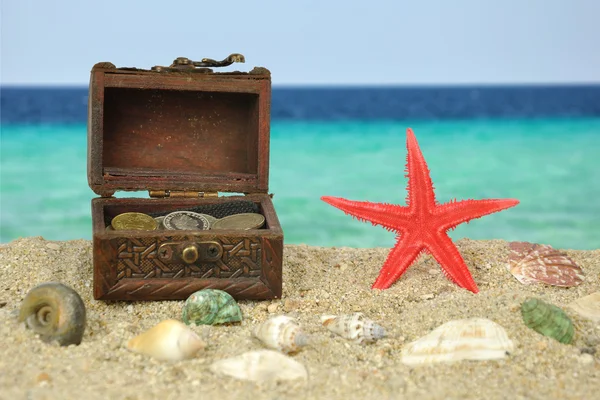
(421, 225)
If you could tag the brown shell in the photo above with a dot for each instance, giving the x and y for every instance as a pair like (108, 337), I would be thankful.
(539, 263)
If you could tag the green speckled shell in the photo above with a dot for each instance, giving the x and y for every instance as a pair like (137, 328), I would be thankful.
(211, 307)
(548, 320)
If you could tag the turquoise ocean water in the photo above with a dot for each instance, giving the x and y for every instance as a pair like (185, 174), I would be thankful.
(551, 165)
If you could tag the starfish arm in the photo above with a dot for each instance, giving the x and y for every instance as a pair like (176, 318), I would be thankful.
(391, 217)
(420, 188)
(452, 263)
(400, 258)
(450, 215)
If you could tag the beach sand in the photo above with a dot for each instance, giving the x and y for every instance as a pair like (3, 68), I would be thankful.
(316, 281)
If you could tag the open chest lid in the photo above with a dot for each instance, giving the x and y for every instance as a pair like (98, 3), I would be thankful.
(179, 129)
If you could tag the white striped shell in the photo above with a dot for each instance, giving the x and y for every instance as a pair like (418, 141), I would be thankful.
(261, 365)
(170, 340)
(465, 339)
(281, 333)
(588, 306)
(538, 263)
(355, 327)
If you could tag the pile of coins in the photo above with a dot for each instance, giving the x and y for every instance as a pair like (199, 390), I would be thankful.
(185, 220)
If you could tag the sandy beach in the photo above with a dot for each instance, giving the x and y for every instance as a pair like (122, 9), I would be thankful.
(316, 281)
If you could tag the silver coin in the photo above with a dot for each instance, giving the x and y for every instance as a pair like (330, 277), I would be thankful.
(159, 222)
(240, 221)
(210, 218)
(185, 220)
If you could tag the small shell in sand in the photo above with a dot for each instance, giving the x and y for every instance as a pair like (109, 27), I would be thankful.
(170, 340)
(281, 333)
(259, 366)
(534, 263)
(548, 320)
(353, 327)
(211, 307)
(55, 312)
(465, 339)
(588, 306)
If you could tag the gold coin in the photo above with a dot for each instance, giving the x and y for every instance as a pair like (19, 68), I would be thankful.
(240, 221)
(134, 221)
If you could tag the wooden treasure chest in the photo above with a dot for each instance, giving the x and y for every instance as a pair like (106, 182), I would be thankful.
(197, 141)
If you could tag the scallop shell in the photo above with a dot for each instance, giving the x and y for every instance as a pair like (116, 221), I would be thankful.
(55, 312)
(211, 307)
(588, 306)
(261, 365)
(534, 263)
(281, 333)
(170, 340)
(465, 339)
(548, 320)
(354, 327)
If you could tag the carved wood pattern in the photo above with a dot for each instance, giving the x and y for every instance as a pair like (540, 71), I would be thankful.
(169, 289)
(137, 258)
(272, 264)
(250, 268)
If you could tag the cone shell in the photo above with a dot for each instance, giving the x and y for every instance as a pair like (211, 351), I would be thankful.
(281, 333)
(548, 320)
(55, 312)
(465, 339)
(537, 263)
(353, 327)
(170, 340)
(211, 307)
(261, 365)
(588, 306)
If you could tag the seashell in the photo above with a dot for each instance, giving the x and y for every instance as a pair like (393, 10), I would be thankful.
(55, 312)
(534, 263)
(548, 320)
(261, 365)
(588, 306)
(211, 307)
(464, 339)
(170, 340)
(281, 333)
(354, 327)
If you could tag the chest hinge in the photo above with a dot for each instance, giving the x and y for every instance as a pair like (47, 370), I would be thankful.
(181, 193)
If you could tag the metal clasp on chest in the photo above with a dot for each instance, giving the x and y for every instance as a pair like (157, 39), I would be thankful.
(190, 252)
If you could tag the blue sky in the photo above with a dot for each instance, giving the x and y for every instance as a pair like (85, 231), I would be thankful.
(310, 42)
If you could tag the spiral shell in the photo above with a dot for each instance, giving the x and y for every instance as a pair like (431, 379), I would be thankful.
(211, 307)
(170, 340)
(548, 320)
(55, 312)
(281, 333)
(537, 263)
(355, 327)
